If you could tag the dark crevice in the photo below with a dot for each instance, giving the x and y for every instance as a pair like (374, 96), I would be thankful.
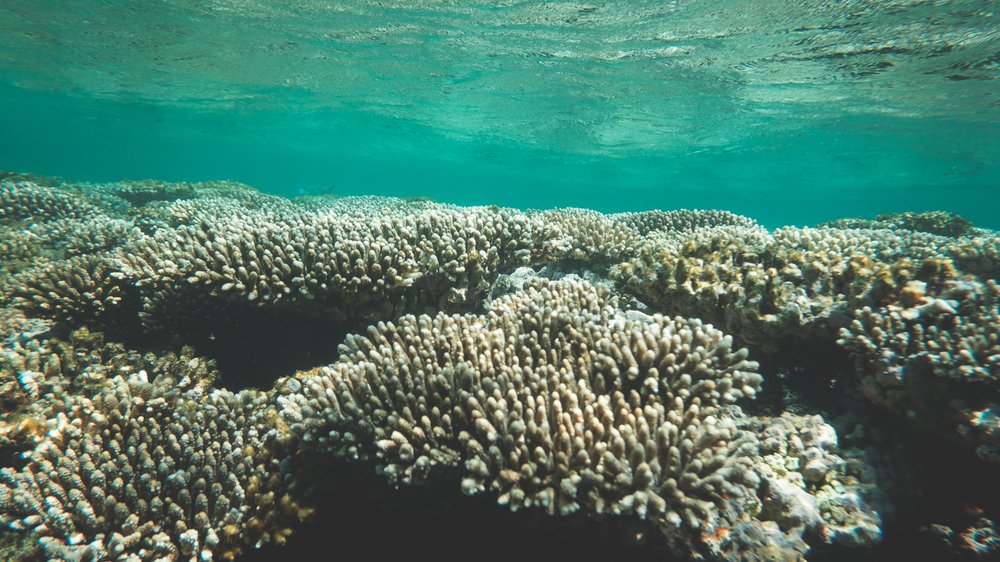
(361, 516)
(935, 482)
(253, 347)
(789, 386)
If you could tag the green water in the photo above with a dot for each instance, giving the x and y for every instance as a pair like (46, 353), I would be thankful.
(790, 112)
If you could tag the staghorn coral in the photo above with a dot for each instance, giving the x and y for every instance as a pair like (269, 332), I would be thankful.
(146, 471)
(555, 400)
(935, 358)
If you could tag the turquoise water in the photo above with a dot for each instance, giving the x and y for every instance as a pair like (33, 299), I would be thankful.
(793, 113)
(199, 371)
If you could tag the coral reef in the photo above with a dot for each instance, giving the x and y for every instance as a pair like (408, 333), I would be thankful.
(560, 401)
(23, 199)
(769, 288)
(647, 222)
(570, 365)
(87, 288)
(583, 236)
(941, 223)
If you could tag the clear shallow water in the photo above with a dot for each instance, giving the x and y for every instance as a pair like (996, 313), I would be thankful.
(792, 113)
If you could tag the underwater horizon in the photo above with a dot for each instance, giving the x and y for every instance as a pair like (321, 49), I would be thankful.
(642, 280)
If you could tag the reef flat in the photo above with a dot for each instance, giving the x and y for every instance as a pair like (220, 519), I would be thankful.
(191, 371)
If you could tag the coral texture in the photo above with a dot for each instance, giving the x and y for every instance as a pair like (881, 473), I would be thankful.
(146, 471)
(769, 288)
(480, 363)
(555, 400)
(936, 359)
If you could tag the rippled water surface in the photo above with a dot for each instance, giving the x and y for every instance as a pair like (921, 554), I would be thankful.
(793, 112)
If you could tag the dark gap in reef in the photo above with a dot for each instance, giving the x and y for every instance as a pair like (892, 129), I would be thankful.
(807, 376)
(253, 347)
(361, 516)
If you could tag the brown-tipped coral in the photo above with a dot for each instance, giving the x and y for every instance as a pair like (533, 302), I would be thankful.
(555, 400)
(768, 288)
(941, 223)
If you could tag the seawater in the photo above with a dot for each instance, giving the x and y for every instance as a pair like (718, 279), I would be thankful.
(789, 112)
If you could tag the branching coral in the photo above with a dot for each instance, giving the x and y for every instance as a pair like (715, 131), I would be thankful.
(771, 288)
(554, 400)
(581, 235)
(941, 223)
(648, 222)
(24, 199)
(559, 396)
(144, 471)
(82, 289)
(935, 359)
(329, 263)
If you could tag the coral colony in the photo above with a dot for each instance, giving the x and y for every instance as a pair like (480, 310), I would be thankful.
(562, 362)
